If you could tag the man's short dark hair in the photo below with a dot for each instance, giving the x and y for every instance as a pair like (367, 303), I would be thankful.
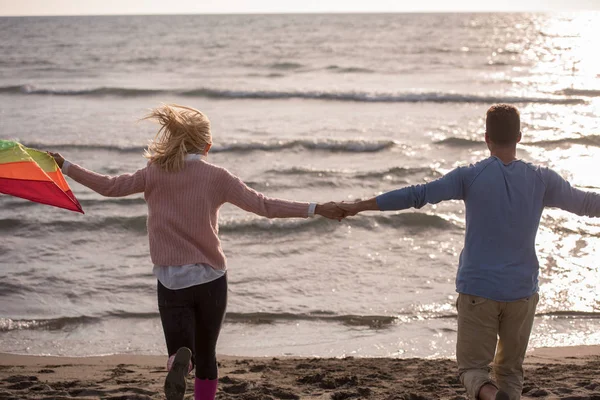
(503, 124)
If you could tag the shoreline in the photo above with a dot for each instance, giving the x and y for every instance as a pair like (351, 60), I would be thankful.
(553, 372)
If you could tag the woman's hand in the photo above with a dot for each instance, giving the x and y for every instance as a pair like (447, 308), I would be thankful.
(351, 209)
(58, 158)
(330, 210)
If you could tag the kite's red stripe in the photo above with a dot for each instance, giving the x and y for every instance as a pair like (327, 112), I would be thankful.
(74, 199)
(41, 192)
(59, 179)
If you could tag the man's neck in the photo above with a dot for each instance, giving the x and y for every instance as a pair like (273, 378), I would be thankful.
(505, 154)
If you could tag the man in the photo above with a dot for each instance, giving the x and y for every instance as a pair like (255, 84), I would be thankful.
(497, 277)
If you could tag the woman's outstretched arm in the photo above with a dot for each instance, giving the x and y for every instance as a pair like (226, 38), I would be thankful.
(240, 195)
(109, 186)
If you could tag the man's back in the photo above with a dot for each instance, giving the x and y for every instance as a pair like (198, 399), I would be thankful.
(504, 204)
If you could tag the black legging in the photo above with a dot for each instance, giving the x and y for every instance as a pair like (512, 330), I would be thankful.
(192, 317)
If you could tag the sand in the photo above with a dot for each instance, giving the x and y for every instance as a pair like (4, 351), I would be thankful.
(552, 373)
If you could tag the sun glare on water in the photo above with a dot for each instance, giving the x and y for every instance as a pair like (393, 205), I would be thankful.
(564, 58)
(565, 52)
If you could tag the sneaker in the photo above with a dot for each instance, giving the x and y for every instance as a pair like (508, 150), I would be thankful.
(175, 383)
(502, 395)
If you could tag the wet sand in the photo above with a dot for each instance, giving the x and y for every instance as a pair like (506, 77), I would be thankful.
(551, 373)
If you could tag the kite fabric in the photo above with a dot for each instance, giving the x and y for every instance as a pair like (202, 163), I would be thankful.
(34, 175)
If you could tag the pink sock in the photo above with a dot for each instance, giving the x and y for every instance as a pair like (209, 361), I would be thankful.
(205, 389)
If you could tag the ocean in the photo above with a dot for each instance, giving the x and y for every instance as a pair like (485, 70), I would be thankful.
(303, 107)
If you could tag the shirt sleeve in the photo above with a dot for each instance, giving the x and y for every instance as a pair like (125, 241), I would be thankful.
(448, 187)
(65, 167)
(240, 195)
(109, 186)
(312, 207)
(560, 194)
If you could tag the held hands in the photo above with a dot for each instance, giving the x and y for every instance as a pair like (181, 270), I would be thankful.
(350, 209)
(58, 158)
(337, 210)
(330, 210)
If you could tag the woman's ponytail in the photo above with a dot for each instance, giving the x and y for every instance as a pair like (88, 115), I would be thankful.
(183, 130)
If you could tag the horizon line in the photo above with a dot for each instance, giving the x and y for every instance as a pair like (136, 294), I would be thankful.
(538, 11)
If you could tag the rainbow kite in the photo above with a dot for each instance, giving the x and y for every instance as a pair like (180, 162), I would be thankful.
(34, 175)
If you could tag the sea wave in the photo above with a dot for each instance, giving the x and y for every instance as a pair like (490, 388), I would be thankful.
(101, 91)
(131, 223)
(118, 201)
(342, 145)
(286, 65)
(252, 225)
(356, 96)
(349, 70)
(10, 223)
(459, 142)
(407, 220)
(53, 324)
(259, 318)
(349, 96)
(589, 140)
(26, 63)
(579, 92)
(83, 147)
(371, 321)
(256, 318)
(401, 172)
(397, 172)
(569, 314)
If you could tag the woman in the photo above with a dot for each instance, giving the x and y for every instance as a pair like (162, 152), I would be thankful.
(184, 193)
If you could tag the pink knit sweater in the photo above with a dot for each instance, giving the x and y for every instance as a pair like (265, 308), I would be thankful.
(183, 207)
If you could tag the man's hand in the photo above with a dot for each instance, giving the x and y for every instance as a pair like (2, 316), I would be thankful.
(351, 209)
(58, 158)
(330, 210)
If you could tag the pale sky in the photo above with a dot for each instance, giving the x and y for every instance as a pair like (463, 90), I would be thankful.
(103, 7)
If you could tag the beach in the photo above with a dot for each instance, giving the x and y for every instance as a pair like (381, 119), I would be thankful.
(550, 373)
(312, 108)
(336, 107)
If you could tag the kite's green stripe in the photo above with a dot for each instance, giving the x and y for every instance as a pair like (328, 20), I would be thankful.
(7, 144)
(13, 154)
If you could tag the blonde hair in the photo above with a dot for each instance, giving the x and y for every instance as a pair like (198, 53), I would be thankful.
(184, 130)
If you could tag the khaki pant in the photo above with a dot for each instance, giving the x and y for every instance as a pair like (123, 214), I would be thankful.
(483, 324)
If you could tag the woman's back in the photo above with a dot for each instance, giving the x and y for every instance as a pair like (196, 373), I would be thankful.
(183, 213)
